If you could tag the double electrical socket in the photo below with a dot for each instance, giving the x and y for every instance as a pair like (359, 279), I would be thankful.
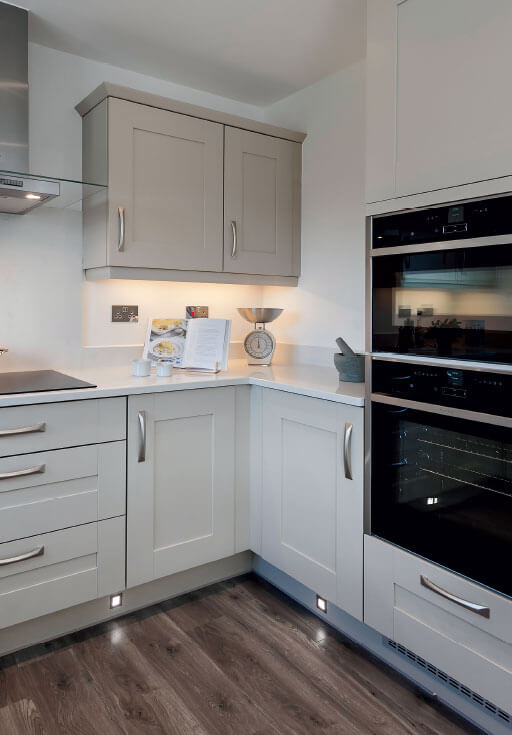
(122, 313)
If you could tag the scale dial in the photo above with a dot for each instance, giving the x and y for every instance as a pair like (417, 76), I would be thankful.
(260, 345)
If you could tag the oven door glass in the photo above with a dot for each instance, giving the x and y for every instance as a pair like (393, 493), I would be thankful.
(442, 488)
(448, 303)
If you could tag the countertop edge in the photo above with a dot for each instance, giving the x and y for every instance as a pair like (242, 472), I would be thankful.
(214, 381)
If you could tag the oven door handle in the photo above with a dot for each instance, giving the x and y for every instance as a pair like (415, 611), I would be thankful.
(485, 612)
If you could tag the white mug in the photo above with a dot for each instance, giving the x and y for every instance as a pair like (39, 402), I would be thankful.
(163, 369)
(141, 368)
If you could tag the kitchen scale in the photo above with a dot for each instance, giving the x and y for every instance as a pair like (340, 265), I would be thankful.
(259, 344)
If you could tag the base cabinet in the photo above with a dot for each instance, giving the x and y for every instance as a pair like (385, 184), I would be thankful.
(312, 494)
(181, 481)
(473, 648)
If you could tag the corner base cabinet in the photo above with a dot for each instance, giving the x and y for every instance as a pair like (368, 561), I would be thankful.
(181, 481)
(462, 628)
(312, 494)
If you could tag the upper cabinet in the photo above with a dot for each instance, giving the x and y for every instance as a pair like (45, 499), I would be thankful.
(192, 194)
(438, 113)
(261, 204)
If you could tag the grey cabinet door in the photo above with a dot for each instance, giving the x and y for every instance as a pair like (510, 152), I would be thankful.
(181, 481)
(312, 513)
(261, 204)
(165, 170)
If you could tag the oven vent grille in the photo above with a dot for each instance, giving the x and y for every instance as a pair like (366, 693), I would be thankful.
(469, 694)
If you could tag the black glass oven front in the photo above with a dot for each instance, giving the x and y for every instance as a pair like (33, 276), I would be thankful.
(441, 484)
(445, 303)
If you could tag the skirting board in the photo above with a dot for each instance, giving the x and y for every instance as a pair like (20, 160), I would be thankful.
(372, 641)
(76, 618)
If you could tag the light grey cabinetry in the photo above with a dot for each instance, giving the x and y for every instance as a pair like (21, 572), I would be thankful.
(165, 182)
(262, 204)
(412, 602)
(438, 114)
(181, 481)
(189, 198)
(312, 494)
(62, 505)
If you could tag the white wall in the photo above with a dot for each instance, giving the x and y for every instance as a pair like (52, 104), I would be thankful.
(44, 301)
(48, 312)
(330, 297)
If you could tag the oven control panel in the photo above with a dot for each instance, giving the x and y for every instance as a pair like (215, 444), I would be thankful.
(473, 390)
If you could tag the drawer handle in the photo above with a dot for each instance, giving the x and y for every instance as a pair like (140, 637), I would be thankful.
(485, 612)
(22, 557)
(23, 430)
(142, 445)
(40, 468)
(347, 442)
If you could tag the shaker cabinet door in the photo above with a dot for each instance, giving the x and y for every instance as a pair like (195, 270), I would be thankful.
(261, 204)
(312, 512)
(181, 488)
(165, 189)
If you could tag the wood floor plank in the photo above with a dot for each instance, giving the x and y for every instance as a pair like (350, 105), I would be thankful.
(21, 716)
(236, 659)
(218, 703)
(380, 682)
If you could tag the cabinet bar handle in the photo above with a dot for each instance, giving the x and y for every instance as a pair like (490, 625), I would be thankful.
(347, 442)
(120, 244)
(235, 238)
(40, 468)
(22, 557)
(23, 430)
(142, 445)
(485, 612)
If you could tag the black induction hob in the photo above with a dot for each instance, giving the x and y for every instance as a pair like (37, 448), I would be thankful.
(38, 381)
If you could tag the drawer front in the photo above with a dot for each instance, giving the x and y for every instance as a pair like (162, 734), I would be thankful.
(464, 643)
(39, 427)
(47, 491)
(61, 569)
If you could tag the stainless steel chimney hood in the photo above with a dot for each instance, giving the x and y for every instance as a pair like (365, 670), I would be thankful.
(19, 193)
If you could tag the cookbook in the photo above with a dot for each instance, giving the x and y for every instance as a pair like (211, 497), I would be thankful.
(197, 344)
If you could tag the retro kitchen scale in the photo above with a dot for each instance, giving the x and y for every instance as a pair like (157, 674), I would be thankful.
(259, 344)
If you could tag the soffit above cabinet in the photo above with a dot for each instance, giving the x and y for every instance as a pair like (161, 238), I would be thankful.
(108, 89)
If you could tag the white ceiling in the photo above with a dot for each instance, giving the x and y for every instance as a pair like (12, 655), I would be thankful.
(255, 51)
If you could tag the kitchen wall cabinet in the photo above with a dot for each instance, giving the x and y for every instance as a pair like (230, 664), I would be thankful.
(474, 649)
(312, 494)
(190, 196)
(261, 203)
(165, 179)
(438, 115)
(181, 481)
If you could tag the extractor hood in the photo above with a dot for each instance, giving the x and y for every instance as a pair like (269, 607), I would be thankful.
(19, 193)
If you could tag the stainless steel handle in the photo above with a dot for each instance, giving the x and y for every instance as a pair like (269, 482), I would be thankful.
(23, 430)
(347, 459)
(235, 239)
(40, 468)
(142, 445)
(120, 244)
(485, 612)
(22, 557)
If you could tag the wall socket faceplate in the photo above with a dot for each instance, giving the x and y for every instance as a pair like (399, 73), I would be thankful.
(125, 314)
(197, 312)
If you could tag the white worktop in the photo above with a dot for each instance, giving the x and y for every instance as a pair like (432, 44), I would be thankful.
(307, 380)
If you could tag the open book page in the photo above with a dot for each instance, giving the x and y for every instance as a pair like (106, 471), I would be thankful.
(207, 344)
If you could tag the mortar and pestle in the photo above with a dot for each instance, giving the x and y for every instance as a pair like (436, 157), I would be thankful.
(349, 364)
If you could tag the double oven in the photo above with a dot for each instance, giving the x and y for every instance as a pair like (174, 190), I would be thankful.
(439, 429)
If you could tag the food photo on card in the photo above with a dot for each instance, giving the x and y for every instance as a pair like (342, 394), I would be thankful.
(165, 340)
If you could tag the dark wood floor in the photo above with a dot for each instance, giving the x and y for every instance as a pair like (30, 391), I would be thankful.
(238, 658)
